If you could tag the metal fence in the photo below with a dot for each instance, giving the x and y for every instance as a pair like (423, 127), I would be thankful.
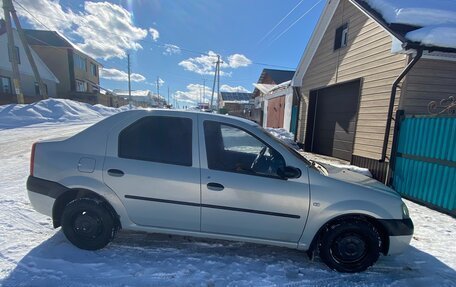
(425, 163)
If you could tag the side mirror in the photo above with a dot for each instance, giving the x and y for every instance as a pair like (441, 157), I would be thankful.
(289, 172)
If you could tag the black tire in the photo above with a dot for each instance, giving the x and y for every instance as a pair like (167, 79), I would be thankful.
(350, 247)
(88, 223)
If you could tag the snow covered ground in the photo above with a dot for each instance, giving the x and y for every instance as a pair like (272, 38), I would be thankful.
(32, 253)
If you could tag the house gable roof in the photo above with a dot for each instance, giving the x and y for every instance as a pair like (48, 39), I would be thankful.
(396, 31)
(46, 38)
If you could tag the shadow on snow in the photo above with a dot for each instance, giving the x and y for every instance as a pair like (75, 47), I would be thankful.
(140, 259)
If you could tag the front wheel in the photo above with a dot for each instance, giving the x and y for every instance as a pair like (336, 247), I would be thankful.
(88, 224)
(350, 246)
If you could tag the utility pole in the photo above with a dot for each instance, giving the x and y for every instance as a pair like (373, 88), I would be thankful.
(129, 82)
(7, 8)
(204, 89)
(158, 86)
(28, 52)
(218, 82)
(217, 72)
(168, 97)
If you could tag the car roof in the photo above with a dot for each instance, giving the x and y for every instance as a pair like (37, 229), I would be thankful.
(167, 112)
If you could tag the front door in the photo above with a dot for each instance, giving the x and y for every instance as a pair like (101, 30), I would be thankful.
(153, 166)
(241, 193)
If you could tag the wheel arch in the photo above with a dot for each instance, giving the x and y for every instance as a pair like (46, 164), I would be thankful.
(75, 193)
(347, 217)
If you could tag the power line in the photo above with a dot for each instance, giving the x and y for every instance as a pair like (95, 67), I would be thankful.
(302, 16)
(280, 22)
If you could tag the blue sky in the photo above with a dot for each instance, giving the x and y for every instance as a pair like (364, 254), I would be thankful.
(235, 29)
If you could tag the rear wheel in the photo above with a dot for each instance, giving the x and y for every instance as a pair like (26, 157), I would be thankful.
(350, 246)
(88, 223)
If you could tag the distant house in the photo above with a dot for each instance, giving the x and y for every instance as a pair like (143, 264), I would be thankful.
(29, 86)
(346, 77)
(78, 74)
(275, 99)
(236, 103)
(280, 107)
(142, 98)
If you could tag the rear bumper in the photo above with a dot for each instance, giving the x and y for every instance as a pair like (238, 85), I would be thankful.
(400, 233)
(43, 193)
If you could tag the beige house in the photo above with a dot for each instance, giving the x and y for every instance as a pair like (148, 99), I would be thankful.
(78, 74)
(354, 65)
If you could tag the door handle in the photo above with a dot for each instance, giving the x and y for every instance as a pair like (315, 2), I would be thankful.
(215, 186)
(115, 172)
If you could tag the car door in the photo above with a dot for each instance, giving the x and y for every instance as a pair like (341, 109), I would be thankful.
(244, 199)
(152, 164)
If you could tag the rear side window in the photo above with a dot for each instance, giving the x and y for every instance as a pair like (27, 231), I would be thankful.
(158, 139)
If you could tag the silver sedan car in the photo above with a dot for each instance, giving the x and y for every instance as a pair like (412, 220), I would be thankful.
(213, 176)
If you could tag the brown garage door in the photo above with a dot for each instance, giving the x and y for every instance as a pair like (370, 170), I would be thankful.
(335, 117)
(276, 110)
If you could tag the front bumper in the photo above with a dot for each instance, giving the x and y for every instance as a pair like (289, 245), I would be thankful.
(400, 233)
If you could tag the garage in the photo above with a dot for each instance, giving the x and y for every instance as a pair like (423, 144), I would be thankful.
(332, 120)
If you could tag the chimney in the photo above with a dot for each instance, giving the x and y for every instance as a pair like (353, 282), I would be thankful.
(2, 26)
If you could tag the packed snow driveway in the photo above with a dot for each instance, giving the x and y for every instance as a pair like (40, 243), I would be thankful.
(32, 253)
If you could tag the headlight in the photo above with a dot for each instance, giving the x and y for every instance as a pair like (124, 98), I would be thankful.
(405, 211)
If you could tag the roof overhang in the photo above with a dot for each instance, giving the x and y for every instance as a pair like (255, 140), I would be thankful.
(400, 43)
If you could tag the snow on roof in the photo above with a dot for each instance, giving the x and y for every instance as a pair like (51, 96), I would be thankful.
(264, 88)
(135, 93)
(435, 20)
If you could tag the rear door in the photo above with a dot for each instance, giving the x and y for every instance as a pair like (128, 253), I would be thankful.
(152, 164)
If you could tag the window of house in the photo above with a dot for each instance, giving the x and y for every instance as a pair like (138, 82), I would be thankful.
(158, 139)
(5, 85)
(81, 86)
(37, 89)
(18, 55)
(93, 69)
(341, 38)
(79, 62)
(232, 149)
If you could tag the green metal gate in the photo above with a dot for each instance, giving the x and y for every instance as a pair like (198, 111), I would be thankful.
(425, 162)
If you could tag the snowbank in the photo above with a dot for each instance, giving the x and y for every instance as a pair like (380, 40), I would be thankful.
(52, 110)
(436, 19)
(332, 164)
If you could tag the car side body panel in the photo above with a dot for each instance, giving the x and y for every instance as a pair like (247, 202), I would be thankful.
(82, 161)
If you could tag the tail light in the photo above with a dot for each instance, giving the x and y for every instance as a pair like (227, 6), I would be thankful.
(32, 159)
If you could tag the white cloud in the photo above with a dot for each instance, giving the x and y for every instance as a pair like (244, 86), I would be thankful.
(227, 88)
(154, 33)
(205, 64)
(171, 49)
(101, 29)
(194, 94)
(238, 60)
(121, 76)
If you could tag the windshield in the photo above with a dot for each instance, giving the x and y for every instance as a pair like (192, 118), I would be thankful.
(291, 150)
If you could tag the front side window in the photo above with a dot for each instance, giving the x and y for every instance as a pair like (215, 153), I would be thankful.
(158, 139)
(232, 149)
